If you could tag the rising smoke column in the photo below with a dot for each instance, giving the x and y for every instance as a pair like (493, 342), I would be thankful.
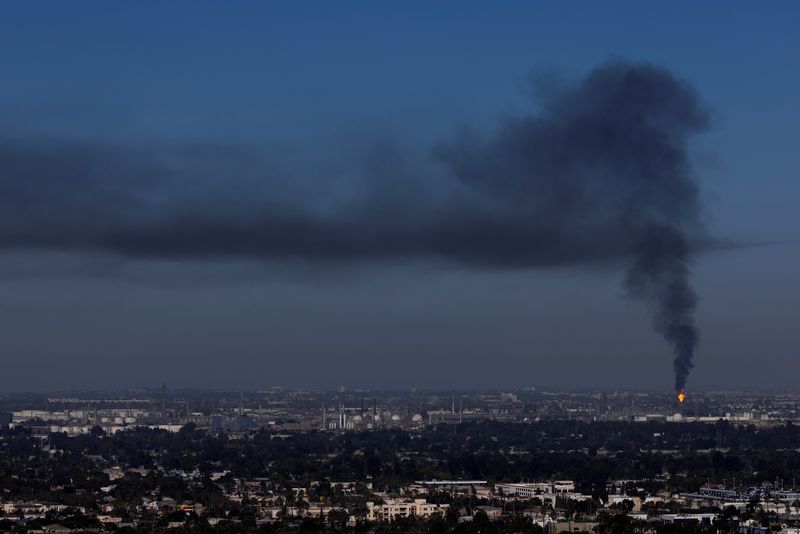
(660, 275)
(598, 173)
(608, 160)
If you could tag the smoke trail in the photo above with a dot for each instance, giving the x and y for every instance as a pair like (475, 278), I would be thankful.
(598, 173)
(660, 275)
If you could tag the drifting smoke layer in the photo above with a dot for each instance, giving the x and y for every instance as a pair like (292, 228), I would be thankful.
(600, 172)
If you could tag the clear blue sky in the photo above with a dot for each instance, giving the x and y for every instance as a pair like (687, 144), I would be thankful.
(296, 78)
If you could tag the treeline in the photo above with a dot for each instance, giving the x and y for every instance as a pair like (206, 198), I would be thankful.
(589, 453)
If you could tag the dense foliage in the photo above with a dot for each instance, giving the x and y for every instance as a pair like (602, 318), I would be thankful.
(74, 470)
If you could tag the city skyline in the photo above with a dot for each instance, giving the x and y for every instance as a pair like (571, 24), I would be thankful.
(399, 268)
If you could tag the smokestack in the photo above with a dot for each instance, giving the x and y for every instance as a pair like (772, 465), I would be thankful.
(163, 402)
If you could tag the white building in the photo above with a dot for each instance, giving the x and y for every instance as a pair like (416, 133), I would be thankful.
(562, 488)
(525, 489)
(392, 509)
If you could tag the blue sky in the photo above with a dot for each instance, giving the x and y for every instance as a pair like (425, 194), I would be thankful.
(299, 78)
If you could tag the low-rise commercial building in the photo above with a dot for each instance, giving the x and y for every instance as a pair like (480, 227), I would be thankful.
(400, 508)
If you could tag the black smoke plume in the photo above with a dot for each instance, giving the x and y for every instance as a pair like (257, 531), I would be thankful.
(605, 165)
(598, 173)
(660, 275)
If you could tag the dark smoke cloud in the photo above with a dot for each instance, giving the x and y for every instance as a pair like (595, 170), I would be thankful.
(607, 160)
(660, 275)
(599, 172)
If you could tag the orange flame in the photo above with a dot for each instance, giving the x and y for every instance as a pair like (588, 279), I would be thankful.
(681, 396)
